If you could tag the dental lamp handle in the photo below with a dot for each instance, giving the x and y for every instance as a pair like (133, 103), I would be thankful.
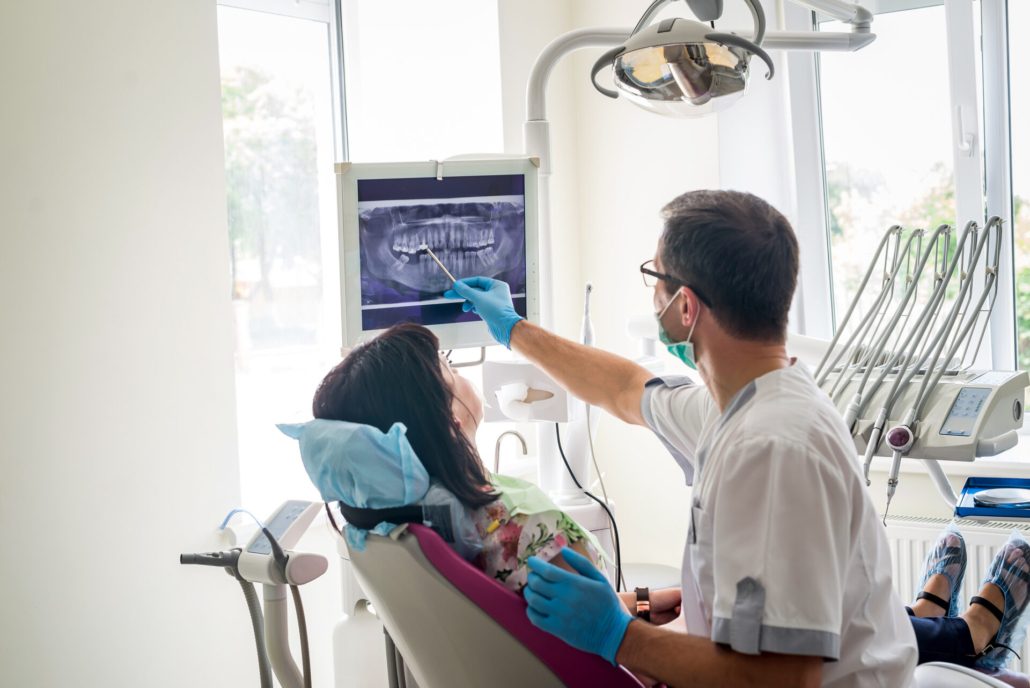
(737, 41)
(606, 60)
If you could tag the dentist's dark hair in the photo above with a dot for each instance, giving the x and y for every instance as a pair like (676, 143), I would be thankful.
(740, 252)
(397, 377)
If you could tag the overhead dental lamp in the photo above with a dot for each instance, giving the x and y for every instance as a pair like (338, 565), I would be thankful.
(681, 66)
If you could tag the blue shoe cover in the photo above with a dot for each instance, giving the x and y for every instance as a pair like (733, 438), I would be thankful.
(1010, 571)
(947, 557)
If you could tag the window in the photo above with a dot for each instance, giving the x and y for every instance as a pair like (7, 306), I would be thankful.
(1019, 94)
(888, 157)
(423, 81)
(280, 145)
(915, 130)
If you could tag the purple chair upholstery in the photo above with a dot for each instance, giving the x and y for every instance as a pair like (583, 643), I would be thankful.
(575, 668)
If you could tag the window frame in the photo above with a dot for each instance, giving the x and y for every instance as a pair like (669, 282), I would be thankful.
(982, 174)
(330, 13)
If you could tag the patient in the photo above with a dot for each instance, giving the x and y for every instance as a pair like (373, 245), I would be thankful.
(400, 376)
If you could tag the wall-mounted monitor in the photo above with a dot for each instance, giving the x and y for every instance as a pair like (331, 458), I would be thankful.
(479, 217)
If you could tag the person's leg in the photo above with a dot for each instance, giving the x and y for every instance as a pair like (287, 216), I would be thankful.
(942, 576)
(944, 639)
(958, 639)
(977, 637)
(1002, 604)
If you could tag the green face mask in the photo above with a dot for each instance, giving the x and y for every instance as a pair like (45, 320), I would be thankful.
(684, 350)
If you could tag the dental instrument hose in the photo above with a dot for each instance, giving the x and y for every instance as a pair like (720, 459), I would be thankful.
(615, 527)
(302, 626)
(587, 338)
(257, 621)
(298, 606)
(228, 561)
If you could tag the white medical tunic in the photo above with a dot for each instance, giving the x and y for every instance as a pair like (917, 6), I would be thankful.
(785, 551)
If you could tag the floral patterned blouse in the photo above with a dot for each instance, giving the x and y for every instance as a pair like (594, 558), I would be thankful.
(523, 523)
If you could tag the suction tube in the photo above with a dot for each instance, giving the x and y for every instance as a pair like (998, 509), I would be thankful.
(257, 621)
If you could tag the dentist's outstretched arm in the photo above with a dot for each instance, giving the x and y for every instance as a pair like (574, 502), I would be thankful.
(597, 377)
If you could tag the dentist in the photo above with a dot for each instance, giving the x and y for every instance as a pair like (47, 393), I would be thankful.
(786, 571)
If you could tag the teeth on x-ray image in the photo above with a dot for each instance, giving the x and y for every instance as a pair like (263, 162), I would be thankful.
(482, 238)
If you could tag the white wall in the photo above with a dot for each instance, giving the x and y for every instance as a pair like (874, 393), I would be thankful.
(116, 411)
(629, 163)
(527, 26)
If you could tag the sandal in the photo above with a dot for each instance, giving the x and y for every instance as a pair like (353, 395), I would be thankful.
(1010, 573)
(947, 558)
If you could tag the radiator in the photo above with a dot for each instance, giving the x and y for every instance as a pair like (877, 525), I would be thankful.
(911, 538)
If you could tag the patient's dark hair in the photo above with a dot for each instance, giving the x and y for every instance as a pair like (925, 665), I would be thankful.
(397, 377)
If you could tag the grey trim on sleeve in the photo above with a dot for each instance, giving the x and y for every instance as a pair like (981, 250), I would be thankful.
(669, 381)
(787, 641)
(672, 381)
(746, 624)
(645, 401)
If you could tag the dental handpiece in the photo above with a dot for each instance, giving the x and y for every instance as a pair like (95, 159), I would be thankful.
(892, 483)
(587, 335)
(892, 478)
(425, 247)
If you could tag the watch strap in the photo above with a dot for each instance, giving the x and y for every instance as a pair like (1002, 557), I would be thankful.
(643, 604)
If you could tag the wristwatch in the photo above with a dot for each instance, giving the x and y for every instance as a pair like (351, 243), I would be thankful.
(643, 604)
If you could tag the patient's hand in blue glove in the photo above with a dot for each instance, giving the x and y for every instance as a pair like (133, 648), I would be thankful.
(490, 299)
(580, 608)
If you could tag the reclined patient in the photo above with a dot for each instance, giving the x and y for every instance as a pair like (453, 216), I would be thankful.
(400, 377)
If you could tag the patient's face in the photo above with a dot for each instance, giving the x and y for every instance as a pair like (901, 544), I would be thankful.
(467, 406)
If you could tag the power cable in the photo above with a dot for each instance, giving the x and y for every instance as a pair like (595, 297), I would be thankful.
(615, 527)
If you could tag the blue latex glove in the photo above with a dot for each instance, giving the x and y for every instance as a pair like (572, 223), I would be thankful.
(582, 610)
(490, 299)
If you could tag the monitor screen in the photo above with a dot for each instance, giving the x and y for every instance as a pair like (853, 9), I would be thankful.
(473, 221)
(475, 225)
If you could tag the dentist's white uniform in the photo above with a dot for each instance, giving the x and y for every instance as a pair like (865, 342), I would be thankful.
(785, 552)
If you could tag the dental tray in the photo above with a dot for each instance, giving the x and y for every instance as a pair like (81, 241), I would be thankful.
(968, 508)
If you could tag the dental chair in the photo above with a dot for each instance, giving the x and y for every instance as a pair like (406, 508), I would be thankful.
(941, 675)
(454, 626)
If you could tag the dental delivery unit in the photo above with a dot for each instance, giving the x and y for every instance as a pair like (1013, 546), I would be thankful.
(902, 366)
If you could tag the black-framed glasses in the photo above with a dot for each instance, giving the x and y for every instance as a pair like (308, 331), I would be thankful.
(651, 277)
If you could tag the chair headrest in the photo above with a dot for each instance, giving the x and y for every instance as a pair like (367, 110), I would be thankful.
(366, 468)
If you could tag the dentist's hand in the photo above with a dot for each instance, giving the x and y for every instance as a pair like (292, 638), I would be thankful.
(580, 608)
(490, 299)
